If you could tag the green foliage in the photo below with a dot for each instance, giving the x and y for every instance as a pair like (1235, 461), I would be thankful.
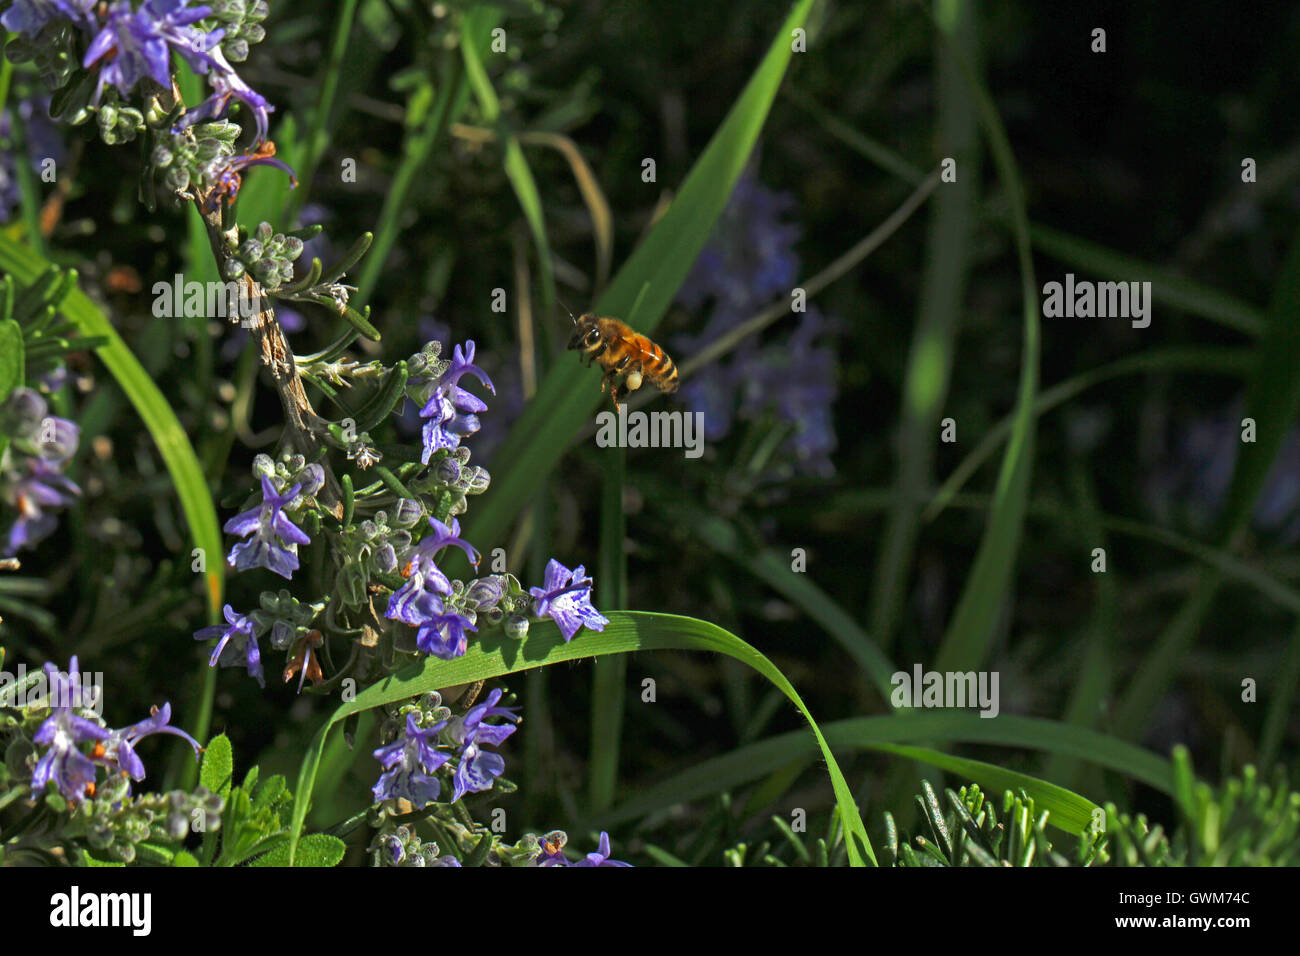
(255, 825)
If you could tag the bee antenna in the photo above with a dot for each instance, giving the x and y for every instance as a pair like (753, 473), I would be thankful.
(566, 309)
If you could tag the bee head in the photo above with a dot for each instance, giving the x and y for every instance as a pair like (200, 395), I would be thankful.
(585, 334)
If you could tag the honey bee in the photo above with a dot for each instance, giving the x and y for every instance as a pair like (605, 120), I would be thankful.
(627, 357)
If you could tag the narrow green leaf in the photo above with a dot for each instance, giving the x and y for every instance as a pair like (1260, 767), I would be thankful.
(1069, 811)
(754, 761)
(568, 394)
(970, 632)
(496, 656)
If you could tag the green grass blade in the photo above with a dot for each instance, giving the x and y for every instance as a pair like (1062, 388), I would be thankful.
(1069, 811)
(568, 394)
(476, 36)
(755, 761)
(609, 677)
(970, 632)
(1175, 359)
(168, 434)
(774, 570)
(425, 128)
(627, 631)
(934, 338)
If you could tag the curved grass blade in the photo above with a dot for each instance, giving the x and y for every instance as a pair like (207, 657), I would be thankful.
(168, 434)
(567, 396)
(970, 632)
(627, 631)
(1069, 811)
(755, 761)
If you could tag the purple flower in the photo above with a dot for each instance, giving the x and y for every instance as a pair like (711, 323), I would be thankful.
(601, 856)
(63, 732)
(473, 728)
(440, 633)
(226, 85)
(409, 763)
(478, 767)
(119, 748)
(29, 16)
(275, 539)
(449, 412)
(238, 640)
(134, 44)
(420, 567)
(476, 771)
(444, 635)
(33, 488)
(565, 598)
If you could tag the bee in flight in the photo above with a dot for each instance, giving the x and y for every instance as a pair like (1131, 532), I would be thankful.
(627, 357)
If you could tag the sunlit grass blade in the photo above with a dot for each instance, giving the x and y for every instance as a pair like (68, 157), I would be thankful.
(627, 631)
(774, 570)
(609, 674)
(568, 394)
(1069, 811)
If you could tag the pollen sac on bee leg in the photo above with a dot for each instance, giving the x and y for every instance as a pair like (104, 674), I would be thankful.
(633, 381)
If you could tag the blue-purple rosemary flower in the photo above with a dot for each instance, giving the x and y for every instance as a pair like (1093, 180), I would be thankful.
(440, 632)
(134, 44)
(601, 856)
(478, 768)
(565, 597)
(236, 644)
(119, 747)
(64, 732)
(275, 539)
(30, 468)
(409, 763)
(449, 411)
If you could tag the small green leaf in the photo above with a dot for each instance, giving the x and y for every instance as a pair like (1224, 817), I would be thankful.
(218, 765)
(314, 849)
(184, 858)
